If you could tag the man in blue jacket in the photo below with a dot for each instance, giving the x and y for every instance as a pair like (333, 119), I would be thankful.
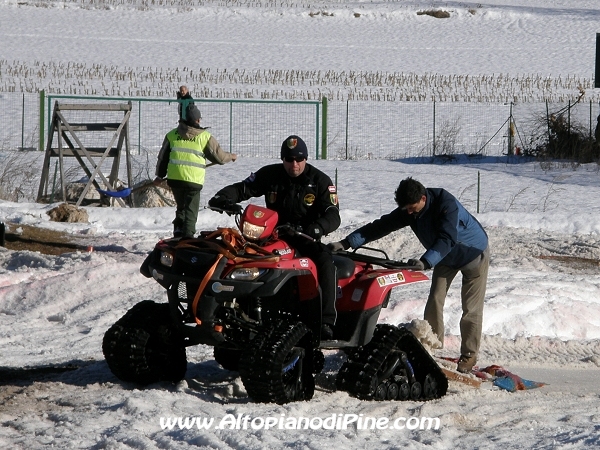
(454, 241)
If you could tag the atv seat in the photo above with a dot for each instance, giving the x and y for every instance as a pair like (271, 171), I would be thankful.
(344, 267)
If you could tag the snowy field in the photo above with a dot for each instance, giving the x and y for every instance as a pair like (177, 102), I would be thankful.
(543, 299)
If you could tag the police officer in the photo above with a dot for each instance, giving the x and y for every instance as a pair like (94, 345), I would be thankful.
(303, 197)
(182, 160)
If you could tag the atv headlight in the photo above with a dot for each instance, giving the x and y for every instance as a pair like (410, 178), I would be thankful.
(245, 273)
(251, 231)
(166, 259)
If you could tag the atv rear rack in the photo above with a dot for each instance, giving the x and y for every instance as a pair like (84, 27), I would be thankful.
(383, 262)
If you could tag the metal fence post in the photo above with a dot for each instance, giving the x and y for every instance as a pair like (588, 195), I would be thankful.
(548, 118)
(139, 127)
(511, 132)
(324, 129)
(317, 123)
(42, 120)
(230, 127)
(23, 123)
(434, 143)
(569, 120)
(347, 108)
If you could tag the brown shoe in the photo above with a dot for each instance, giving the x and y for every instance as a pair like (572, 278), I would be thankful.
(466, 363)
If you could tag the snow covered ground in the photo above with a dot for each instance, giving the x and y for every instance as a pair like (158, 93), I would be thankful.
(543, 302)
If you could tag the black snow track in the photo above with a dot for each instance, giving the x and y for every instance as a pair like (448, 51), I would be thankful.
(393, 366)
(143, 346)
(277, 366)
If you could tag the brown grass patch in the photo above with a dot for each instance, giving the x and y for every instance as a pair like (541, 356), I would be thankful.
(574, 261)
(35, 239)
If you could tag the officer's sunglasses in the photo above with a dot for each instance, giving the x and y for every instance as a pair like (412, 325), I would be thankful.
(291, 159)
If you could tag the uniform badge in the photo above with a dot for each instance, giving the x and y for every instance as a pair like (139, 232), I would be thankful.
(292, 142)
(334, 199)
(309, 199)
(332, 189)
(271, 197)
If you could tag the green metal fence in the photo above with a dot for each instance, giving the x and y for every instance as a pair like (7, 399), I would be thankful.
(333, 130)
(245, 127)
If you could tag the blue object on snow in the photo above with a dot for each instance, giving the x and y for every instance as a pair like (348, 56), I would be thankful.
(512, 383)
(122, 193)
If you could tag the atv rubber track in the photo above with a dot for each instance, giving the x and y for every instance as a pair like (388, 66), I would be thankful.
(143, 347)
(262, 362)
(359, 374)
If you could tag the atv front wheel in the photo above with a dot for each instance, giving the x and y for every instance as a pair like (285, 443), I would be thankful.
(278, 365)
(144, 347)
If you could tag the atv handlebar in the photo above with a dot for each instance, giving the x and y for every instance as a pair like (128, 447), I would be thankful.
(289, 229)
(231, 210)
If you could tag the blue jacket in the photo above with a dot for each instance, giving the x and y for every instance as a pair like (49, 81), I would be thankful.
(451, 235)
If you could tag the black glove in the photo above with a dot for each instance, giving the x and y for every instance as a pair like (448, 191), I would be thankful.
(338, 246)
(218, 201)
(418, 264)
(225, 204)
(314, 230)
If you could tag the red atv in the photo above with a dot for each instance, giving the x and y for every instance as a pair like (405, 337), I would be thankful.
(258, 303)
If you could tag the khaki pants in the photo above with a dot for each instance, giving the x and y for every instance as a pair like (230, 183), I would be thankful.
(474, 281)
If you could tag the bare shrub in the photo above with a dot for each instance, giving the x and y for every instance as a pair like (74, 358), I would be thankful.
(19, 178)
(513, 199)
(555, 135)
(445, 140)
(556, 138)
(547, 201)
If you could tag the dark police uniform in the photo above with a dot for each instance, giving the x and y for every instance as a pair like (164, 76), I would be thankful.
(309, 203)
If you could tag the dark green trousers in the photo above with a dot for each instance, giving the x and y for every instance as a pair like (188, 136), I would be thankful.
(186, 215)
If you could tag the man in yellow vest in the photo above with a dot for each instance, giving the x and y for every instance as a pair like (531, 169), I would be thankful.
(182, 160)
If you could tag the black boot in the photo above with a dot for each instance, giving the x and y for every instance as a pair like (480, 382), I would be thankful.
(326, 332)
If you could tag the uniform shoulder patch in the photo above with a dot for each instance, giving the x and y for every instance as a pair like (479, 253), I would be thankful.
(332, 189)
(250, 178)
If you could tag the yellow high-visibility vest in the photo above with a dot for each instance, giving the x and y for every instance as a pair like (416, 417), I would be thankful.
(186, 160)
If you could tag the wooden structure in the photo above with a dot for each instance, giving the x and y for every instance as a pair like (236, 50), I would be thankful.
(90, 158)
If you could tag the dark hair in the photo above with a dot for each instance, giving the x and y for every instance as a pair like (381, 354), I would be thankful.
(409, 192)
